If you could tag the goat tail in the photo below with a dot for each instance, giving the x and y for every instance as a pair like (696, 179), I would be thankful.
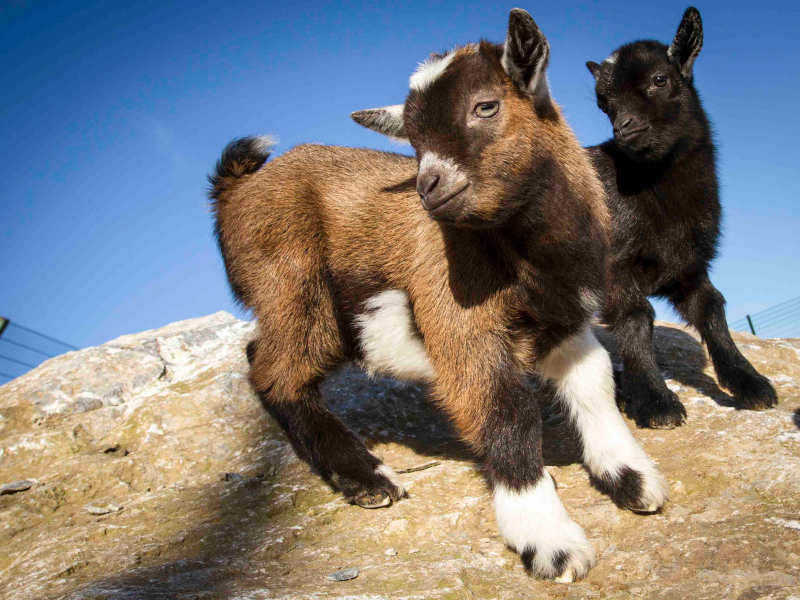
(243, 156)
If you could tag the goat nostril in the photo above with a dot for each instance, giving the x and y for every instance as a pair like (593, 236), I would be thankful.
(427, 184)
(623, 122)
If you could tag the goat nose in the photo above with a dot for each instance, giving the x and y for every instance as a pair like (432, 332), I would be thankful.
(623, 122)
(426, 183)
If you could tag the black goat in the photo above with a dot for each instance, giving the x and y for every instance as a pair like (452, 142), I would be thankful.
(660, 175)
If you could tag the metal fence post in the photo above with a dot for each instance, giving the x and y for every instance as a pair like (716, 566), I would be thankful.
(750, 322)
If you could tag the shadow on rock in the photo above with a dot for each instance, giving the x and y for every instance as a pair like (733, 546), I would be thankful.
(680, 357)
(248, 513)
(385, 410)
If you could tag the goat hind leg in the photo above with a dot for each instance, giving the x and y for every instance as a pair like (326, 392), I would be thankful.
(703, 306)
(323, 441)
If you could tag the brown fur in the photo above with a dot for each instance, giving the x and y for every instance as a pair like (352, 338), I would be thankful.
(320, 219)
(470, 267)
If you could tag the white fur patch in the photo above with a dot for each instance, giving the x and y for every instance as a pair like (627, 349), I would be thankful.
(394, 113)
(389, 473)
(447, 166)
(387, 120)
(534, 518)
(611, 60)
(590, 300)
(428, 71)
(265, 143)
(581, 368)
(389, 340)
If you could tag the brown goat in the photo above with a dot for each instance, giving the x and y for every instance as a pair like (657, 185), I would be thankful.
(493, 280)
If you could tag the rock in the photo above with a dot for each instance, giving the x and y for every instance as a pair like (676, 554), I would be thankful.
(13, 487)
(344, 574)
(397, 526)
(103, 510)
(154, 422)
(390, 552)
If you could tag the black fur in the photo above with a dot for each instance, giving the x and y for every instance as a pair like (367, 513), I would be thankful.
(512, 436)
(660, 176)
(527, 557)
(527, 49)
(337, 454)
(241, 157)
(625, 489)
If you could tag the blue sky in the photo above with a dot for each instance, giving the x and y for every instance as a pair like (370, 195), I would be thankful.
(113, 113)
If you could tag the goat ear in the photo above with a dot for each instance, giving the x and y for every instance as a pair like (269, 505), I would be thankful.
(594, 68)
(687, 43)
(387, 120)
(525, 55)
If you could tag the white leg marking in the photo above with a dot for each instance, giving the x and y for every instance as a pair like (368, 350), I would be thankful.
(581, 368)
(388, 339)
(389, 473)
(535, 519)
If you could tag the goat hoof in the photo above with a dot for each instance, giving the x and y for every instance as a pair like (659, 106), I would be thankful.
(566, 565)
(659, 412)
(384, 489)
(373, 499)
(641, 488)
(754, 393)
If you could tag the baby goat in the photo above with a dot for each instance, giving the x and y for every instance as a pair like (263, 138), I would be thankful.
(494, 278)
(660, 175)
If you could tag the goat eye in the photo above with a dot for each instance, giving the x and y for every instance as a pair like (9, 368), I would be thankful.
(660, 80)
(486, 110)
(602, 103)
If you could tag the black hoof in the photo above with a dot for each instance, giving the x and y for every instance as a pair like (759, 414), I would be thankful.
(562, 566)
(373, 499)
(755, 393)
(625, 490)
(657, 411)
(382, 490)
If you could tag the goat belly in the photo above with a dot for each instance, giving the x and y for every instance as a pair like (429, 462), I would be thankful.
(389, 339)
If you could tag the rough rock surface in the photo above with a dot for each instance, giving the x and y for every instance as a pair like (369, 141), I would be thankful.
(201, 497)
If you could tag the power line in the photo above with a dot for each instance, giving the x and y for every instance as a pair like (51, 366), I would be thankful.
(19, 362)
(26, 347)
(47, 337)
(780, 319)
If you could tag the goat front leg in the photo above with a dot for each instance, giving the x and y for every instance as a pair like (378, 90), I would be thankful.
(703, 307)
(648, 400)
(581, 369)
(505, 428)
